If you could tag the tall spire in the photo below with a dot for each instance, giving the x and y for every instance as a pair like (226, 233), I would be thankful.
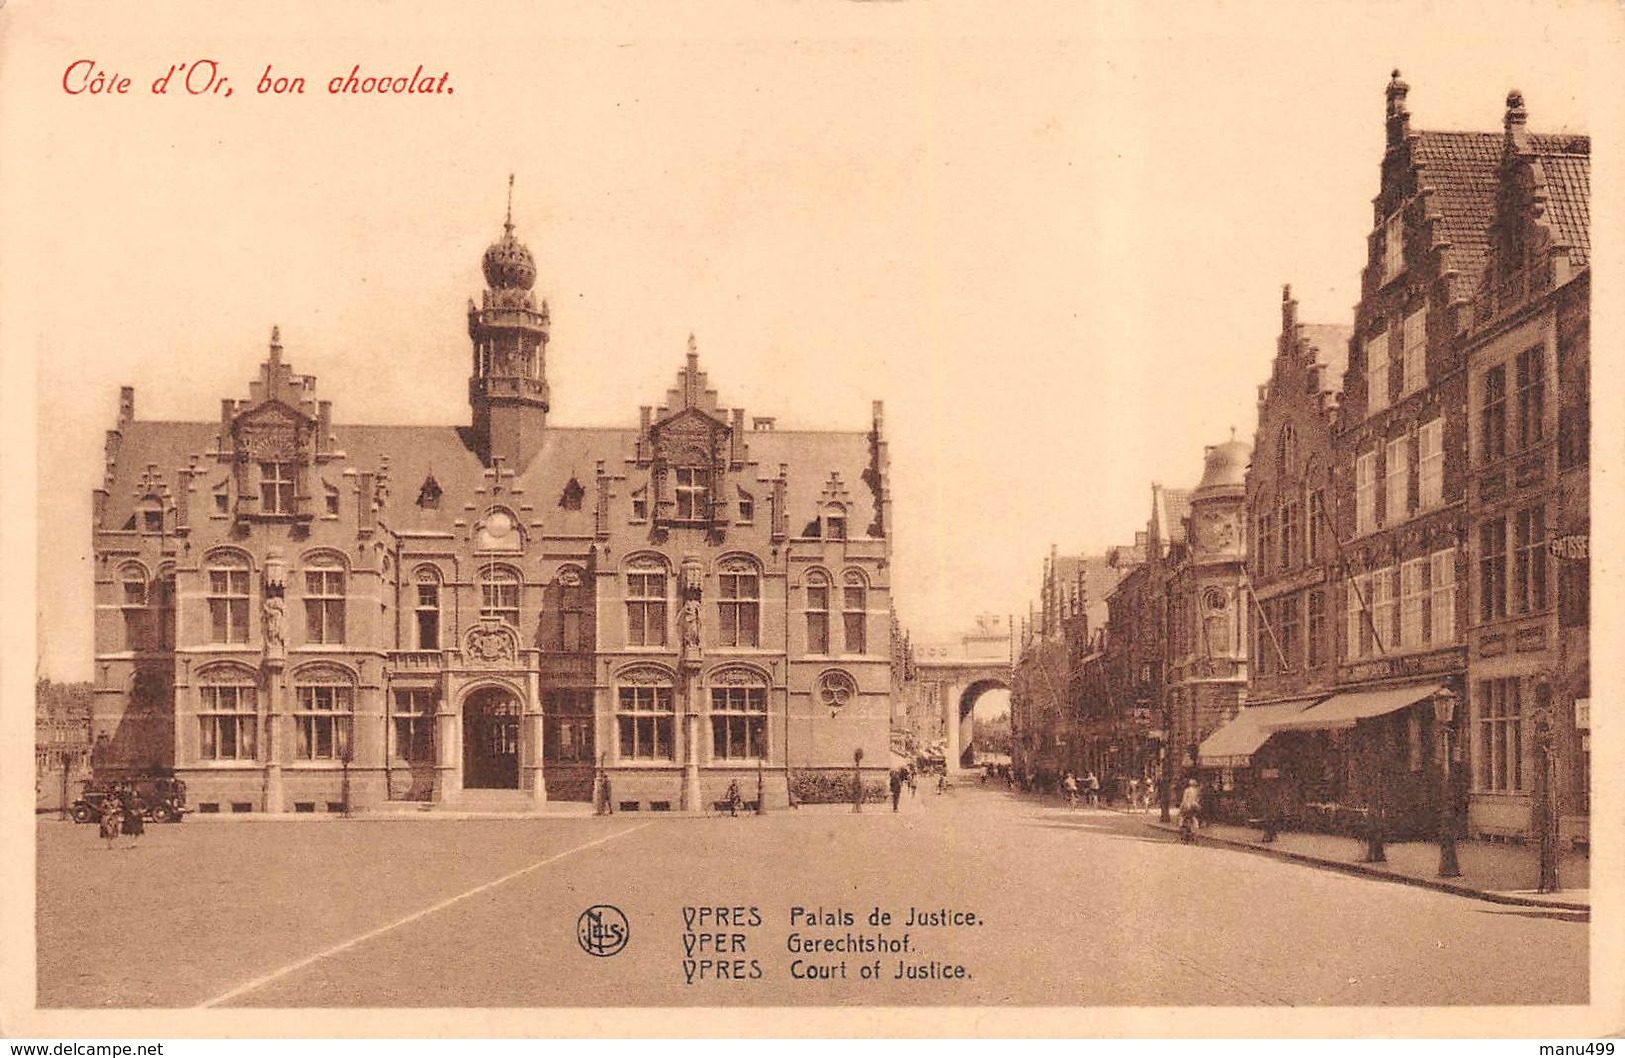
(507, 223)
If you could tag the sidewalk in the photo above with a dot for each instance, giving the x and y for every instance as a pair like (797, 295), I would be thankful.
(1502, 874)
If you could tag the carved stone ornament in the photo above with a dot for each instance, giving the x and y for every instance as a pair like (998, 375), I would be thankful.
(836, 689)
(268, 437)
(1217, 530)
(736, 677)
(644, 676)
(491, 643)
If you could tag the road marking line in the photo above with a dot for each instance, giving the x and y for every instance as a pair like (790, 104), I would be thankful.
(259, 982)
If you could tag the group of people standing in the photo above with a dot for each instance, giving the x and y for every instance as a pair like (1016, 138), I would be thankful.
(122, 812)
(1089, 786)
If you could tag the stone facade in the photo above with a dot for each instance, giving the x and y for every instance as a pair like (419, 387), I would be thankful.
(296, 615)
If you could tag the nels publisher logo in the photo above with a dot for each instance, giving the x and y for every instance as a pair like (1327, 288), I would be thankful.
(602, 930)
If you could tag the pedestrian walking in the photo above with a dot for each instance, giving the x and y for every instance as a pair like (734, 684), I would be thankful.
(1190, 811)
(132, 808)
(913, 778)
(1133, 794)
(1093, 786)
(896, 787)
(734, 798)
(111, 818)
(1069, 785)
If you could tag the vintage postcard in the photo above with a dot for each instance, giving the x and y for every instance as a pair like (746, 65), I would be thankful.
(857, 519)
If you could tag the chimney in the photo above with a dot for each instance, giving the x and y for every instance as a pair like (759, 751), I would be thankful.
(1517, 121)
(1399, 119)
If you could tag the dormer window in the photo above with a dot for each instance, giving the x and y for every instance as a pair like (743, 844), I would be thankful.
(570, 500)
(834, 527)
(152, 519)
(276, 488)
(429, 494)
(693, 494)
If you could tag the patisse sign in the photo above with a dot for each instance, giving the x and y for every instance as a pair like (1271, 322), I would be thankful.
(1572, 546)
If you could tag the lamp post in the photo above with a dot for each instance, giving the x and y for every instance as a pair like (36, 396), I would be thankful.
(1546, 799)
(1444, 712)
(857, 779)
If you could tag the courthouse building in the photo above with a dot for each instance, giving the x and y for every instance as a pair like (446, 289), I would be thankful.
(299, 615)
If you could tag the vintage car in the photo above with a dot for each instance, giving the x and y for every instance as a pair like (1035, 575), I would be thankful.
(163, 799)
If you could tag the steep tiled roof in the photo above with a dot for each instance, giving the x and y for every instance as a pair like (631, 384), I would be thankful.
(1099, 578)
(1462, 169)
(1567, 162)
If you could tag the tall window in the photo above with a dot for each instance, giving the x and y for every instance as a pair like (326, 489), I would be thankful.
(228, 600)
(693, 494)
(573, 611)
(854, 613)
(1529, 560)
(276, 488)
(1288, 631)
(412, 733)
(1291, 533)
(324, 602)
(322, 721)
(1413, 373)
(1430, 464)
(1385, 609)
(1492, 569)
(1265, 555)
(133, 601)
(1492, 415)
(427, 611)
(1286, 454)
(1442, 596)
(1317, 629)
(1358, 641)
(817, 613)
(1500, 736)
(646, 607)
(645, 719)
(739, 605)
(738, 723)
(226, 717)
(567, 726)
(164, 605)
(1531, 380)
(1316, 525)
(1365, 494)
(1397, 481)
(499, 595)
(1376, 374)
(1413, 602)
(1393, 246)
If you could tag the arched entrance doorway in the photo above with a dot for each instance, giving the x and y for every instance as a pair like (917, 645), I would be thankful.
(968, 748)
(491, 718)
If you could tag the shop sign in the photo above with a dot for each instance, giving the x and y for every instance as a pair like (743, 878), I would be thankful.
(1574, 546)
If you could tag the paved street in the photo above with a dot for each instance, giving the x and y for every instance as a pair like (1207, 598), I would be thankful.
(1070, 908)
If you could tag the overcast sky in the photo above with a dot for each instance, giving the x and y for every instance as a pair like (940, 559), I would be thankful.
(1050, 237)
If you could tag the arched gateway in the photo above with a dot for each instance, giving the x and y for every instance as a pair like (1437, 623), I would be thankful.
(956, 675)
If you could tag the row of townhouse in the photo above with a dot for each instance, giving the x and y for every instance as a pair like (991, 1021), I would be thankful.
(1384, 602)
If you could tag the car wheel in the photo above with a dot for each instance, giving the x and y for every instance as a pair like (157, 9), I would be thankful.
(81, 813)
(163, 814)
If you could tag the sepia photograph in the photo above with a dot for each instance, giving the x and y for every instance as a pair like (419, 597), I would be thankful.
(877, 519)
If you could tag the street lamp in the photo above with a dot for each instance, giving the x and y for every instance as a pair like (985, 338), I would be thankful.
(1444, 712)
(857, 779)
(1546, 796)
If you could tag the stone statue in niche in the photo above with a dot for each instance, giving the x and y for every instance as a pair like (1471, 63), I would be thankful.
(274, 613)
(688, 623)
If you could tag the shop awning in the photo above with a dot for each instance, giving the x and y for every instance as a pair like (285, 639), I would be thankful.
(1342, 710)
(1233, 745)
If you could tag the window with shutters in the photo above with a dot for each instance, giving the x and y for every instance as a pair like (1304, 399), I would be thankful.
(1376, 374)
(1413, 368)
(1430, 465)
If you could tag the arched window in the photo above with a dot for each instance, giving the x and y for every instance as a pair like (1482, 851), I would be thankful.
(645, 714)
(854, 615)
(325, 591)
(426, 608)
(817, 613)
(227, 721)
(228, 598)
(1286, 454)
(499, 595)
(646, 603)
(324, 704)
(738, 715)
(739, 603)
